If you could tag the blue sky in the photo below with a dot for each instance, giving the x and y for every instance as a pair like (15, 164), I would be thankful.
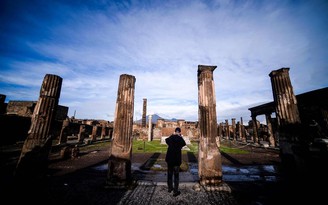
(91, 43)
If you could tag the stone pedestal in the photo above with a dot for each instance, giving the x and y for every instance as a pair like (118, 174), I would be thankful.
(119, 174)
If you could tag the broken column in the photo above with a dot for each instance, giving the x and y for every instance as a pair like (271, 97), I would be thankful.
(64, 132)
(209, 156)
(119, 163)
(288, 118)
(284, 98)
(33, 160)
(82, 134)
(144, 113)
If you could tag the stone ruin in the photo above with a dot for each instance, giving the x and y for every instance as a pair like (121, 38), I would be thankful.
(287, 130)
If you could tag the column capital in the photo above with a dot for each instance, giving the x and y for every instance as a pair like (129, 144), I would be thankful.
(202, 68)
(279, 71)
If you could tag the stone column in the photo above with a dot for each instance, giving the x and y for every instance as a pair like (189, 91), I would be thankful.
(82, 134)
(63, 132)
(242, 133)
(144, 113)
(119, 163)
(255, 128)
(270, 131)
(227, 129)
(289, 123)
(209, 156)
(103, 132)
(150, 127)
(238, 128)
(220, 130)
(233, 126)
(284, 98)
(94, 133)
(33, 160)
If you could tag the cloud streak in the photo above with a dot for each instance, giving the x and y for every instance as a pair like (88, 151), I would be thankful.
(161, 44)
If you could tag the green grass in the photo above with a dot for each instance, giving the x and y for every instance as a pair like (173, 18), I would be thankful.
(230, 150)
(95, 146)
(140, 146)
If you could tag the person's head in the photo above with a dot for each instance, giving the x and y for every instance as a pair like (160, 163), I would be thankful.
(177, 130)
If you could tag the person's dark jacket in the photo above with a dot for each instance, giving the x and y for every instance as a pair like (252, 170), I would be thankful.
(173, 154)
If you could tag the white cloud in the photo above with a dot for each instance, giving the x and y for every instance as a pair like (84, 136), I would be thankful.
(162, 45)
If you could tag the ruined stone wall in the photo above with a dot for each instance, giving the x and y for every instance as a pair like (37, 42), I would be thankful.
(26, 108)
(21, 108)
(166, 128)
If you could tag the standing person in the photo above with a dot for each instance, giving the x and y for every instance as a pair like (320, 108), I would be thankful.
(173, 159)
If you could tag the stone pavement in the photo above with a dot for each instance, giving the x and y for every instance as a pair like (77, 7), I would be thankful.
(156, 193)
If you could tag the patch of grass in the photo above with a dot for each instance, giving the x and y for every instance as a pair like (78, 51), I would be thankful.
(230, 150)
(140, 146)
(193, 148)
(95, 146)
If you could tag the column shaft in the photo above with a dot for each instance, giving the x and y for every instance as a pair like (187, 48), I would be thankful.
(209, 157)
(119, 164)
(144, 112)
(33, 161)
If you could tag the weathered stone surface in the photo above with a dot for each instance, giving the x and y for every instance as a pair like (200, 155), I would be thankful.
(119, 164)
(33, 161)
(144, 112)
(63, 132)
(288, 118)
(209, 157)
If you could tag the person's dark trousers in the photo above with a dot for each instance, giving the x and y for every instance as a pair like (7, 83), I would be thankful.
(173, 171)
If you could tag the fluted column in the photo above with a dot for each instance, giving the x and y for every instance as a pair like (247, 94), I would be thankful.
(144, 113)
(119, 164)
(209, 156)
(292, 151)
(33, 161)
(284, 98)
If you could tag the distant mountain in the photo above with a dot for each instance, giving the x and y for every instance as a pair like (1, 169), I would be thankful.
(154, 119)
